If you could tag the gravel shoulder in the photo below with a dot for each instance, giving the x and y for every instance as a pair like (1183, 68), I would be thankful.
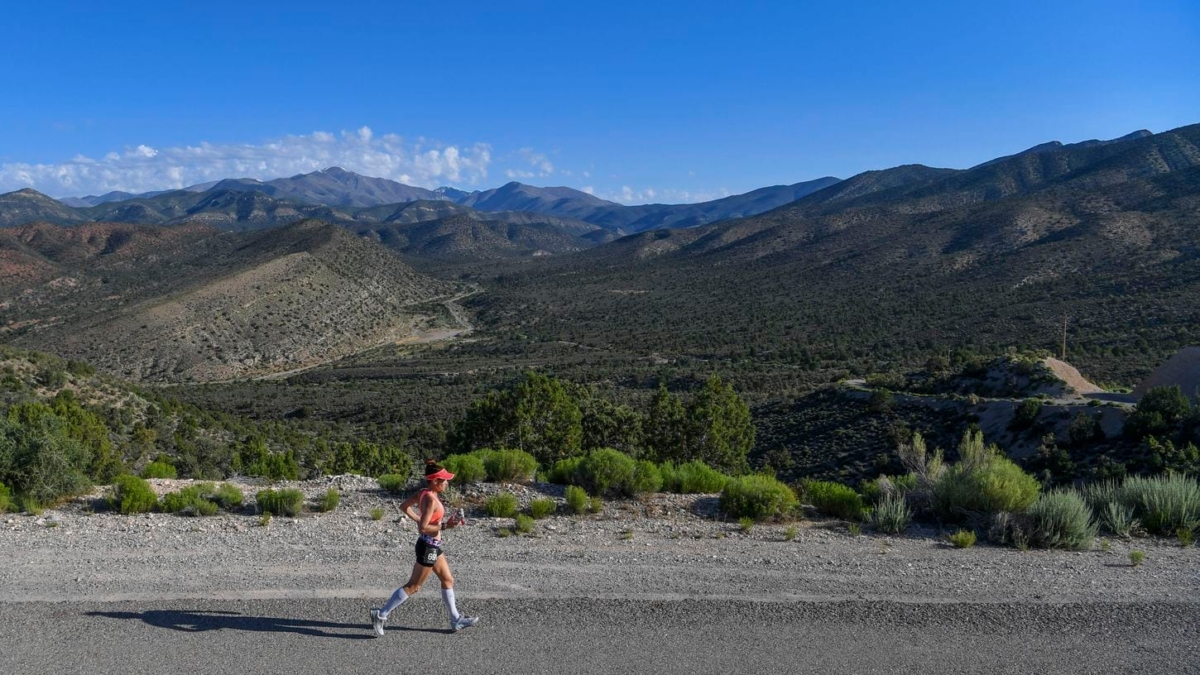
(665, 548)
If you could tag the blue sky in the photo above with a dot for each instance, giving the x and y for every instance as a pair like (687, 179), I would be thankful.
(649, 101)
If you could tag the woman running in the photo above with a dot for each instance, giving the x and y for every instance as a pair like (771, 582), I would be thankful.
(430, 558)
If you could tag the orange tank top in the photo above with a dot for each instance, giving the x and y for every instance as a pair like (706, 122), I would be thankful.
(438, 510)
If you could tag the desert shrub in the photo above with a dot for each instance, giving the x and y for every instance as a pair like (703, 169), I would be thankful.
(393, 482)
(1026, 414)
(508, 466)
(1085, 428)
(1163, 504)
(503, 505)
(963, 539)
(694, 477)
(523, 524)
(1136, 557)
(883, 486)
(983, 482)
(467, 469)
(159, 469)
(377, 513)
(891, 515)
(606, 470)
(228, 497)
(286, 502)
(1117, 518)
(540, 508)
(5, 499)
(577, 499)
(758, 497)
(595, 505)
(1061, 519)
(646, 478)
(566, 471)
(745, 524)
(329, 501)
(201, 499)
(833, 499)
(133, 495)
(1186, 536)
(39, 457)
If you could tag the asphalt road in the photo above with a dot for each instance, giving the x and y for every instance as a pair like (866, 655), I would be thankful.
(575, 635)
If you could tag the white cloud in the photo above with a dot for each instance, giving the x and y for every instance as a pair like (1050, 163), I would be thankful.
(421, 162)
(628, 195)
(540, 163)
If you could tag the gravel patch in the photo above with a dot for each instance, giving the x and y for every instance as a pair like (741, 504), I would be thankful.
(662, 547)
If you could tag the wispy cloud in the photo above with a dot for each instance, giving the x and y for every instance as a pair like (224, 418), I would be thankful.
(629, 195)
(535, 165)
(420, 162)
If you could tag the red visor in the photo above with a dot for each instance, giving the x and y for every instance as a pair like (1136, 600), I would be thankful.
(443, 474)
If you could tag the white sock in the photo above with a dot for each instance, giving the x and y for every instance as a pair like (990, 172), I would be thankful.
(393, 602)
(448, 597)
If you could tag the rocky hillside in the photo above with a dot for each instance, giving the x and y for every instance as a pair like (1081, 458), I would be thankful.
(196, 304)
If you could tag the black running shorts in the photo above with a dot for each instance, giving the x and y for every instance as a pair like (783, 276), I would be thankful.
(427, 554)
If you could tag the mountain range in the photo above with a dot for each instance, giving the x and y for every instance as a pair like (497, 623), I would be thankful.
(873, 271)
(337, 195)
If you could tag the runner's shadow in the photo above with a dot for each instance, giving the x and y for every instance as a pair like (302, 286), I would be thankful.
(199, 621)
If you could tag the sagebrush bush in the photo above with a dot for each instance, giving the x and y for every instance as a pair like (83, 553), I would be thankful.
(285, 502)
(541, 508)
(377, 513)
(758, 497)
(5, 499)
(891, 515)
(607, 471)
(646, 478)
(467, 469)
(963, 539)
(508, 465)
(133, 495)
(503, 505)
(694, 477)
(393, 482)
(159, 469)
(192, 500)
(983, 482)
(577, 499)
(524, 524)
(566, 471)
(329, 501)
(1062, 519)
(833, 499)
(228, 497)
(1162, 504)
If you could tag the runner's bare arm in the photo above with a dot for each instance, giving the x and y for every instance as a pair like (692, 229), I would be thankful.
(406, 508)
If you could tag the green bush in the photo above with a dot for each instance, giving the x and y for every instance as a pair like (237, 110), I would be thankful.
(758, 497)
(192, 500)
(1118, 519)
(329, 501)
(1163, 504)
(1136, 557)
(393, 482)
(1061, 519)
(646, 478)
(577, 499)
(159, 469)
(694, 477)
(606, 471)
(833, 499)
(503, 505)
(595, 505)
(891, 515)
(963, 539)
(5, 499)
(508, 466)
(133, 495)
(39, 457)
(983, 482)
(377, 513)
(566, 471)
(524, 523)
(541, 508)
(467, 469)
(1026, 414)
(286, 502)
(228, 497)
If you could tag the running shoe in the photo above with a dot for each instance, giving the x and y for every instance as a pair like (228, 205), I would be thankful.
(463, 622)
(377, 622)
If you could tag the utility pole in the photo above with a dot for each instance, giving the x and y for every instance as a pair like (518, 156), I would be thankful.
(1064, 338)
